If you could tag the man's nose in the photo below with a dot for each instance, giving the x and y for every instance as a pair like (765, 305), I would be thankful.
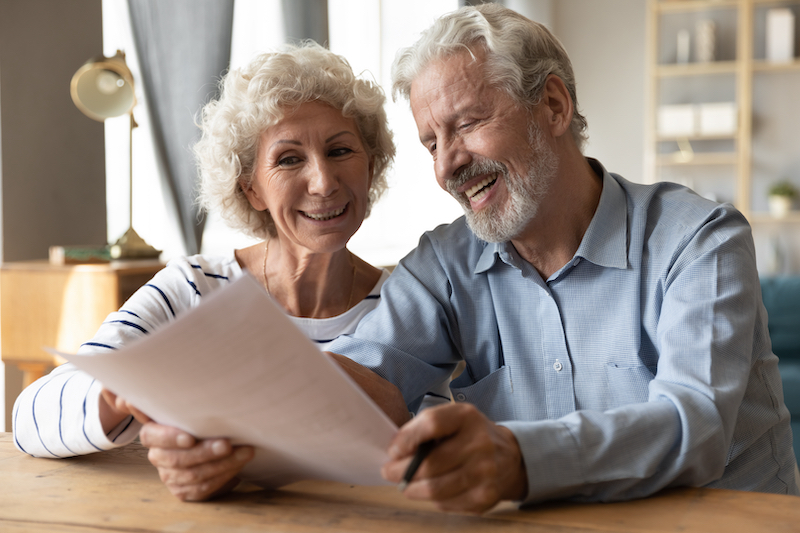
(451, 157)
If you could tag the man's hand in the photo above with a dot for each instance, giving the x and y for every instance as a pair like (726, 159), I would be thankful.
(385, 394)
(193, 470)
(474, 465)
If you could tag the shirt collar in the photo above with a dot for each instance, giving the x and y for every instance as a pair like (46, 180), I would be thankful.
(605, 242)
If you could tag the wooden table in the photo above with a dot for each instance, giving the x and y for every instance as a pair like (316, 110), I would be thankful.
(60, 306)
(120, 491)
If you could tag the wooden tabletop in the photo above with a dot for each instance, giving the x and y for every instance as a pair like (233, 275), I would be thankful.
(120, 491)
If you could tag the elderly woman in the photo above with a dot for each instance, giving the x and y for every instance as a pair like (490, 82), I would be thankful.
(294, 152)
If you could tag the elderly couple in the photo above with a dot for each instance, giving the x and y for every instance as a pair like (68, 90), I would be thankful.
(612, 333)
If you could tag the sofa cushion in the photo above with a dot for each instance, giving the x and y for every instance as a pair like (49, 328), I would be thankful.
(781, 297)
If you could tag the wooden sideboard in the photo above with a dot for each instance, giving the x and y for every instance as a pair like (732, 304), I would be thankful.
(60, 306)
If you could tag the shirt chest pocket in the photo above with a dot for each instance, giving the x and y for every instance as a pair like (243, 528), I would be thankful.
(628, 384)
(492, 395)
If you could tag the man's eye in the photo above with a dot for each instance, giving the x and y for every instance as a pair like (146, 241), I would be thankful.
(432, 148)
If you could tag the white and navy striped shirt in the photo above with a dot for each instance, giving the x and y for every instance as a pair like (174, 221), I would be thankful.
(58, 415)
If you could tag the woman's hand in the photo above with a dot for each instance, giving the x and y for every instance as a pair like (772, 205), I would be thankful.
(114, 410)
(192, 469)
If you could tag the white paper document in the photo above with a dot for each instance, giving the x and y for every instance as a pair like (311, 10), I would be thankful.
(236, 367)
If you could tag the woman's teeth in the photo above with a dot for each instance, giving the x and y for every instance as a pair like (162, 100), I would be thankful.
(325, 216)
(477, 191)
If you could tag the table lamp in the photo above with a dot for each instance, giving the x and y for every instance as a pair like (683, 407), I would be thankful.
(103, 88)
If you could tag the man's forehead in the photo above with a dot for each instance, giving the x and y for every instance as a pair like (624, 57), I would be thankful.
(458, 73)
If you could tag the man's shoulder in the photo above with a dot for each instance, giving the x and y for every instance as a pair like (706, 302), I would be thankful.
(454, 238)
(447, 245)
(671, 204)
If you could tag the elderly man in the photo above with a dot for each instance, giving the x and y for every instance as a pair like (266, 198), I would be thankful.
(613, 334)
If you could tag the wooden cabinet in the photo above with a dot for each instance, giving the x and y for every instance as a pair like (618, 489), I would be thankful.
(60, 306)
(736, 164)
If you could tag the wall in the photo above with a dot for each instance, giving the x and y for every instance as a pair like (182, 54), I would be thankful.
(52, 178)
(606, 42)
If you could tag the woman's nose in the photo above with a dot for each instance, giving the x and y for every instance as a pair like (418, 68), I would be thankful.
(323, 180)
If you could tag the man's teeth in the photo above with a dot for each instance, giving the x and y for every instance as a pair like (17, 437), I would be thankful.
(473, 191)
(325, 216)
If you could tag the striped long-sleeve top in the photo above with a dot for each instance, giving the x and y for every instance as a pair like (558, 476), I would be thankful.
(58, 415)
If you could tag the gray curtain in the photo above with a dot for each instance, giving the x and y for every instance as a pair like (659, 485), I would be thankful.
(306, 19)
(184, 47)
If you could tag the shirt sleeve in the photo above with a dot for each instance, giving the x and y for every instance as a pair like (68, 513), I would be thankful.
(418, 288)
(58, 415)
(705, 335)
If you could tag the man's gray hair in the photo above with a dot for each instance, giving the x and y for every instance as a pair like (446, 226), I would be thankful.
(520, 55)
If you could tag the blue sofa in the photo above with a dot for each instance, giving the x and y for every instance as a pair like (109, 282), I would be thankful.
(782, 299)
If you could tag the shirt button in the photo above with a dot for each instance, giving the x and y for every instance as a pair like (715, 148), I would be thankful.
(576, 261)
(557, 366)
(461, 397)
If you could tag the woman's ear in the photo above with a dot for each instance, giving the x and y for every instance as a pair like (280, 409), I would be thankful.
(371, 172)
(252, 196)
(557, 105)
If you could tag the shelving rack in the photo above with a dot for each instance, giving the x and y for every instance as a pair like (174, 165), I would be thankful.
(741, 31)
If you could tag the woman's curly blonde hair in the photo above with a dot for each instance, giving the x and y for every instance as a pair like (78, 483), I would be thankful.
(255, 98)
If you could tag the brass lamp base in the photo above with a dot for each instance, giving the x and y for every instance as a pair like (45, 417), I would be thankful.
(131, 246)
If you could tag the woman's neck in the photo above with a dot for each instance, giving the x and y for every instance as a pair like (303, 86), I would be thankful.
(311, 285)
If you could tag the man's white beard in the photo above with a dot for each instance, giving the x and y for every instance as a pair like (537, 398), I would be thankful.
(503, 222)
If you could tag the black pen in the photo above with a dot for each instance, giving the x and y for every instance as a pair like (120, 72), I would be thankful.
(422, 452)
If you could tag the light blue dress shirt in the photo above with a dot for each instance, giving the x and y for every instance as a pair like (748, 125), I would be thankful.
(644, 362)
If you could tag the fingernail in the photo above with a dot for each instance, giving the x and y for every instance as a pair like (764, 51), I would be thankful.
(184, 440)
(219, 448)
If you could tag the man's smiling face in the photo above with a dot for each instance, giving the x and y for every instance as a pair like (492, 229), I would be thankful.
(488, 151)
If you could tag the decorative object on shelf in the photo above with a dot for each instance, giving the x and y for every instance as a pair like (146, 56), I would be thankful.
(781, 198)
(676, 120)
(717, 118)
(705, 41)
(103, 88)
(780, 35)
(684, 47)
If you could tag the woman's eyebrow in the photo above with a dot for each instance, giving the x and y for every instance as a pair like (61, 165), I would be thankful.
(335, 135)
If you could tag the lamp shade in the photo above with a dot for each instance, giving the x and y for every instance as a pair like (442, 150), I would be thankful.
(103, 87)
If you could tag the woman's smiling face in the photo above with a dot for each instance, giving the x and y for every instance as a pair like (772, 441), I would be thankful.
(313, 174)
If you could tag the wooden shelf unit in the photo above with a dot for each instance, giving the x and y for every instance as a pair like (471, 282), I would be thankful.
(742, 23)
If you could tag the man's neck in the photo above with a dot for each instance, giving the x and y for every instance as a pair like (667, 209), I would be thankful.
(553, 237)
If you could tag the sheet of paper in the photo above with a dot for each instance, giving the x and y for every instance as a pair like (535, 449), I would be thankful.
(236, 367)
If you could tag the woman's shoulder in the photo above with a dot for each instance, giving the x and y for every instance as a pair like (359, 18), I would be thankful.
(223, 267)
(376, 290)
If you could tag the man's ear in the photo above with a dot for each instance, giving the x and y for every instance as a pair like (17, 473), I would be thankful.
(557, 105)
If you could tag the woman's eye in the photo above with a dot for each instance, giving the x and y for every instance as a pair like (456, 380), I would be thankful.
(288, 161)
(338, 152)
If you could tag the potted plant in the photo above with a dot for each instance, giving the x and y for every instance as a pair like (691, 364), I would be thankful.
(781, 198)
